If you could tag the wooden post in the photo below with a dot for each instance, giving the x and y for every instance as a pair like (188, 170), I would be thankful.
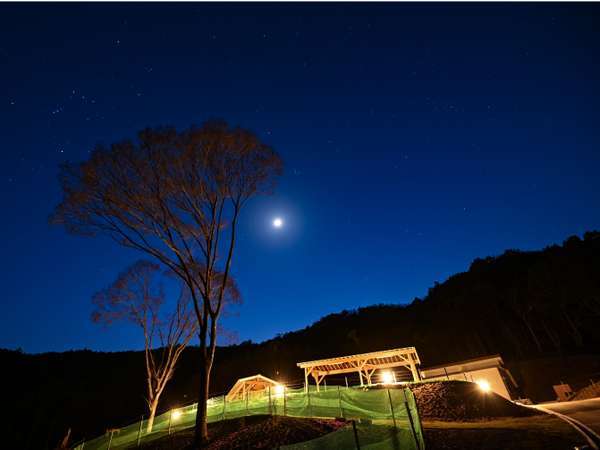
(305, 380)
(340, 402)
(110, 440)
(324, 383)
(410, 421)
(309, 405)
(392, 409)
(361, 377)
(355, 435)
(246, 402)
(139, 435)
(413, 370)
(346, 378)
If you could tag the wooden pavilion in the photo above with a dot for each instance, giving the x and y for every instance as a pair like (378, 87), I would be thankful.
(251, 386)
(365, 364)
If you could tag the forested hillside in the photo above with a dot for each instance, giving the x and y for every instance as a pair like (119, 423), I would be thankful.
(528, 306)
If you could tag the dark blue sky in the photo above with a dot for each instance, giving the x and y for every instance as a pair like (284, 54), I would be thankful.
(416, 137)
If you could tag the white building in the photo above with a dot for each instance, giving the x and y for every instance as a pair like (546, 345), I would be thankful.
(487, 371)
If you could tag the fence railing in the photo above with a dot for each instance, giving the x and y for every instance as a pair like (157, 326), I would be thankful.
(394, 408)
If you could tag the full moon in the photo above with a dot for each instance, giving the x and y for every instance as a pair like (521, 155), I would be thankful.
(277, 222)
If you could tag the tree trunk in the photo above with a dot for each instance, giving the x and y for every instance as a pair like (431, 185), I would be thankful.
(574, 331)
(152, 413)
(514, 340)
(201, 435)
(532, 333)
(554, 338)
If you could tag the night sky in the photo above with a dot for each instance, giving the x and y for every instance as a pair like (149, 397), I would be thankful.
(415, 137)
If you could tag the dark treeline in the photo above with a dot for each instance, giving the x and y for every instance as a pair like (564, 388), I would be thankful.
(528, 306)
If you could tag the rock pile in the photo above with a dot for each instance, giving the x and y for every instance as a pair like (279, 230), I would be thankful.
(463, 401)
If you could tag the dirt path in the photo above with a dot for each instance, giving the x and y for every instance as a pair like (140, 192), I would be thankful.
(586, 411)
(527, 433)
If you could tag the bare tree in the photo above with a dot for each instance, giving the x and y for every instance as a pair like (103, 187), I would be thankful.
(178, 197)
(135, 297)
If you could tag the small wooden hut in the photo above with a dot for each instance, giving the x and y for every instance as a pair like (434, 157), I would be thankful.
(255, 385)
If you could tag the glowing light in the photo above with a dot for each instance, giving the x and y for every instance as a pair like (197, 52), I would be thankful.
(279, 389)
(387, 377)
(484, 385)
(277, 222)
(175, 414)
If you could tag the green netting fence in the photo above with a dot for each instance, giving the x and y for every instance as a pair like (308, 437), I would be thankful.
(379, 418)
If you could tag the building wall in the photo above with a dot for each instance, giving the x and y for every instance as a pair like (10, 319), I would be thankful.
(492, 375)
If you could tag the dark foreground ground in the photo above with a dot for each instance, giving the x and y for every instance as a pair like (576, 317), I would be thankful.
(455, 416)
(586, 411)
(263, 432)
(253, 432)
(526, 433)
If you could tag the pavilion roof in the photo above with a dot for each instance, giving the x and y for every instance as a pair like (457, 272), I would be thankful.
(251, 383)
(372, 360)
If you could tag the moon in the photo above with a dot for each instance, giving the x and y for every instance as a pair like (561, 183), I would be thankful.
(277, 222)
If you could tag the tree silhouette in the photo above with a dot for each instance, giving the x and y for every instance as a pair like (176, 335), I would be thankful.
(176, 196)
(133, 296)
